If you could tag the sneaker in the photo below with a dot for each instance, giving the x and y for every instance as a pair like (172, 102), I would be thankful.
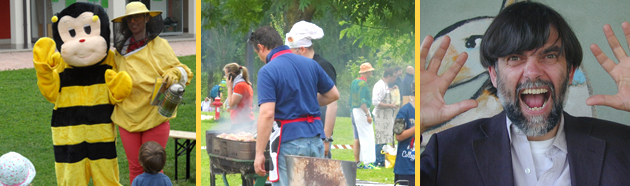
(360, 165)
(371, 166)
(379, 164)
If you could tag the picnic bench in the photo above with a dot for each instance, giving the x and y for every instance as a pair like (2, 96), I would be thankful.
(185, 147)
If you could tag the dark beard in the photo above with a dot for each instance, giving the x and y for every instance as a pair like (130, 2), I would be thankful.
(536, 125)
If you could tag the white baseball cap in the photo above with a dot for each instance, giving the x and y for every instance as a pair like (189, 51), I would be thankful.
(16, 170)
(302, 33)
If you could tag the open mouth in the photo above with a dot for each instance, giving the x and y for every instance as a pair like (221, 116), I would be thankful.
(535, 99)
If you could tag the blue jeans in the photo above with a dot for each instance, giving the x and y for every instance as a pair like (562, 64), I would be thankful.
(380, 158)
(329, 156)
(312, 147)
(354, 127)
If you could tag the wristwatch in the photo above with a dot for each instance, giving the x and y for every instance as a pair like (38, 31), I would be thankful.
(329, 139)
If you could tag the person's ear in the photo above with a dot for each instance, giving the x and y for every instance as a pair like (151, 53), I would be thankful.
(492, 71)
(303, 50)
(571, 73)
(259, 47)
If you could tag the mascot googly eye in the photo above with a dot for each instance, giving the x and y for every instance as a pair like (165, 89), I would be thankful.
(82, 35)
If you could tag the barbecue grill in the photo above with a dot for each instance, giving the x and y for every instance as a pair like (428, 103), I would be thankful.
(237, 157)
(233, 157)
(303, 170)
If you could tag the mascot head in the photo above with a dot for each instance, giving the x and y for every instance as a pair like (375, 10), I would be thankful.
(82, 34)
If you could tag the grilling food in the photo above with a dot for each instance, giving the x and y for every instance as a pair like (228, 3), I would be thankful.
(241, 136)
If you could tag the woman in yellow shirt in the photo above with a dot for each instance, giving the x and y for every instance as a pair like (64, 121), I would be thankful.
(145, 56)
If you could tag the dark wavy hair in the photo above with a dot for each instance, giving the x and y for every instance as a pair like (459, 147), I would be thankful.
(389, 72)
(525, 26)
(154, 27)
(267, 36)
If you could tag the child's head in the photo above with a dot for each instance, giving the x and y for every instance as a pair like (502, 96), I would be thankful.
(152, 157)
(15, 169)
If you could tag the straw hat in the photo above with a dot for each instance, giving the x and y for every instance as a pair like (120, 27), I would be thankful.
(15, 169)
(366, 67)
(134, 8)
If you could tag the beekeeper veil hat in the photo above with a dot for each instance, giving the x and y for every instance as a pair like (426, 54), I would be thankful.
(302, 33)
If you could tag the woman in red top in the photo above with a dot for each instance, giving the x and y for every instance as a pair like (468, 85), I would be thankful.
(240, 97)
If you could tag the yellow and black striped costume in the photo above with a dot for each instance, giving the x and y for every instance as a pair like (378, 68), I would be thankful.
(82, 130)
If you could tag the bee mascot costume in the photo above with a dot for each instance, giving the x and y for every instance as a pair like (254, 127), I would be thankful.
(83, 84)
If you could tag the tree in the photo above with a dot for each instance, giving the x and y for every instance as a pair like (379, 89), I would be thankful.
(372, 22)
(355, 32)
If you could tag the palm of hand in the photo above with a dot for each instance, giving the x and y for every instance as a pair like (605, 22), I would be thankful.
(433, 109)
(432, 102)
(620, 73)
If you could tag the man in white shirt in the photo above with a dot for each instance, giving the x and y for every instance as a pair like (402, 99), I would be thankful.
(206, 105)
(531, 54)
(384, 113)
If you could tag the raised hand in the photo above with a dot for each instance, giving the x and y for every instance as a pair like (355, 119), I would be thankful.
(433, 109)
(619, 72)
(43, 50)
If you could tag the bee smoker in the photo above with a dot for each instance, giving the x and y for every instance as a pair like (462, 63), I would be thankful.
(172, 97)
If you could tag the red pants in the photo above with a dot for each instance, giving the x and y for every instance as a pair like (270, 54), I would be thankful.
(133, 140)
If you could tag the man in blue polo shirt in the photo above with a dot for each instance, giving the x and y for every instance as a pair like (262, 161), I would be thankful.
(289, 105)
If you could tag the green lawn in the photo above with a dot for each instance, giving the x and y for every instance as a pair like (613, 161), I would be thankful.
(26, 118)
(342, 135)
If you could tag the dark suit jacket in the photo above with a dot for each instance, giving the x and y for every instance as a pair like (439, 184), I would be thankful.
(478, 153)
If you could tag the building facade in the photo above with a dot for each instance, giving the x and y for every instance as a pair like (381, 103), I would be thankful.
(22, 22)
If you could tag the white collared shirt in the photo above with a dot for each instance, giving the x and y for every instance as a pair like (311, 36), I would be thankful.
(539, 163)
(379, 92)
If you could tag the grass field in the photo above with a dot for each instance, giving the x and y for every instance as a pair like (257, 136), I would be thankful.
(25, 126)
(343, 136)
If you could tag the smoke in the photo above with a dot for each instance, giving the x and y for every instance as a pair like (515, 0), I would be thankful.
(223, 124)
(234, 124)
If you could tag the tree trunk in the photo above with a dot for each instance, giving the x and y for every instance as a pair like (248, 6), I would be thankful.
(210, 69)
(294, 14)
